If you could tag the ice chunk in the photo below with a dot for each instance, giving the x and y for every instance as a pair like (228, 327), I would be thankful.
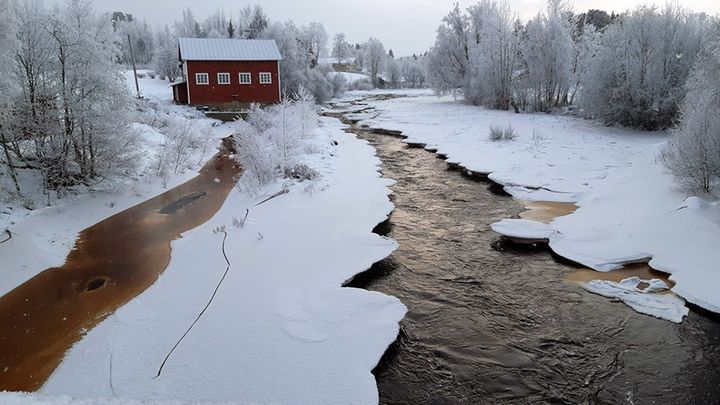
(523, 230)
(655, 300)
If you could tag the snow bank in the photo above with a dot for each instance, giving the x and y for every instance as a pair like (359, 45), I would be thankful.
(629, 209)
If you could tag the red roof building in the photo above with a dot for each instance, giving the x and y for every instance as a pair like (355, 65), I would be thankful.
(228, 74)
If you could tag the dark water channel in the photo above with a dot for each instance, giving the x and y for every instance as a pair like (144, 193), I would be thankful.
(491, 322)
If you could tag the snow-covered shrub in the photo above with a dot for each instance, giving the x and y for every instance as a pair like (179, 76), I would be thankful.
(269, 141)
(498, 133)
(257, 154)
(301, 172)
(182, 137)
(694, 153)
(339, 85)
(538, 139)
(362, 84)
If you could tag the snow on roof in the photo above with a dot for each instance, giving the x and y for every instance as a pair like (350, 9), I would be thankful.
(228, 49)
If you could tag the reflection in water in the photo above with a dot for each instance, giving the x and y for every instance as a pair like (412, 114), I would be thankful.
(112, 262)
(491, 322)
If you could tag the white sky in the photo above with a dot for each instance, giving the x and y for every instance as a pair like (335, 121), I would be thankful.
(406, 26)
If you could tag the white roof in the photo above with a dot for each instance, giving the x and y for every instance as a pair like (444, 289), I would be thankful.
(228, 49)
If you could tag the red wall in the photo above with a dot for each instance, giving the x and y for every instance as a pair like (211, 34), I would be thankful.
(215, 94)
(180, 93)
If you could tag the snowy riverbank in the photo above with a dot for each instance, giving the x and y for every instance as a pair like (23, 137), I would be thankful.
(281, 328)
(630, 209)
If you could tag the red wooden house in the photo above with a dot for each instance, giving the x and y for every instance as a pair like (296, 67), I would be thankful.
(228, 74)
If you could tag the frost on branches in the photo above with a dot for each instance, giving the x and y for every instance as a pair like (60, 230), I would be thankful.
(694, 153)
(628, 69)
(68, 123)
(269, 141)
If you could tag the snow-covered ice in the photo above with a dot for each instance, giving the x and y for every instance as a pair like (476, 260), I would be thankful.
(630, 209)
(653, 300)
(523, 230)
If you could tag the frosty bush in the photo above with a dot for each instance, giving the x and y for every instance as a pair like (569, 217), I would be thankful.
(498, 133)
(268, 142)
(181, 138)
(694, 153)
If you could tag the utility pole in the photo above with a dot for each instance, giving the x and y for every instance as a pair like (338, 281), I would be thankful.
(132, 56)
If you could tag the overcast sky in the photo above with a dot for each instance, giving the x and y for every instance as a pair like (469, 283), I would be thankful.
(406, 26)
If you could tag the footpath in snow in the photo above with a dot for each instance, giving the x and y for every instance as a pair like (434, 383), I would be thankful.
(630, 210)
(281, 328)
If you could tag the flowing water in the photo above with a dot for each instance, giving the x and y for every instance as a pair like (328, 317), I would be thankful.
(112, 262)
(494, 322)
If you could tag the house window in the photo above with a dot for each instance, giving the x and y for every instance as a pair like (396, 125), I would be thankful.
(245, 78)
(202, 78)
(265, 78)
(223, 78)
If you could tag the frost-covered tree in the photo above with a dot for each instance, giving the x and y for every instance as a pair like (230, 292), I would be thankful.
(413, 72)
(8, 49)
(230, 29)
(373, 58)
(694, 153)
(313, 40)
(165, 60)
(253, 22)
(547, 51)
(300, 49)
(393, 72)
(474, 54)
(492, 53)
(65, 66)
(216, 25)
(188, 27)
(637, 76)
(341, 49)
(449, 59)
(143, 41)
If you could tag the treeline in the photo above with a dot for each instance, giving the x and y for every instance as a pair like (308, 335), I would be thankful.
(628, 69)
(370, 56)
(649, 68)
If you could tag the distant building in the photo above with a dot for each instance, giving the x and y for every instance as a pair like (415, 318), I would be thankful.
(228, 74)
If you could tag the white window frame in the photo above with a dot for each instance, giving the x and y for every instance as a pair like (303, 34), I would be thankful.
(268, 75)
(201, 83)
(226, 75)
(247, 75)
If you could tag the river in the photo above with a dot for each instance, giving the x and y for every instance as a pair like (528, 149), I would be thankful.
(490, 321)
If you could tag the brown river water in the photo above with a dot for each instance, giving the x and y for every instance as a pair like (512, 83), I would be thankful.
(112, 262)
(490, 321)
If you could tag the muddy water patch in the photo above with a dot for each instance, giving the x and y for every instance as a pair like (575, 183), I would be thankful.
(112, 262)
(546, 211)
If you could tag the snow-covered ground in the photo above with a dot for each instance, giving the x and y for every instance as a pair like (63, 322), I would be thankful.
(281, 328)
(630, 208)
(352, 77)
